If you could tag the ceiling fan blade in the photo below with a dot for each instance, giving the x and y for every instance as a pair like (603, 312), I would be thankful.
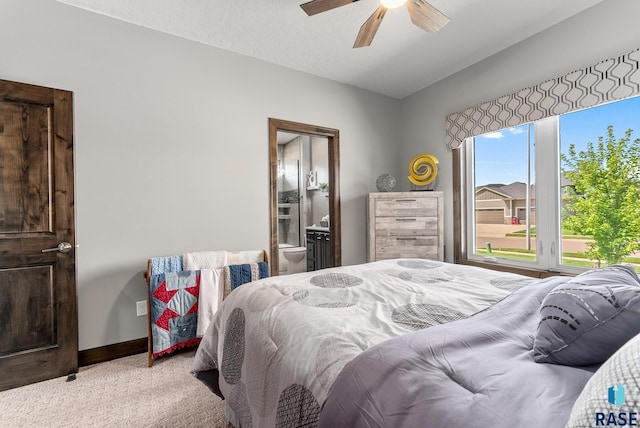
(318, 6)
(426, 16)
(369, 28)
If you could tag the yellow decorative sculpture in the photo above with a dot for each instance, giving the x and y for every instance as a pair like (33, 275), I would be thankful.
(423, 169)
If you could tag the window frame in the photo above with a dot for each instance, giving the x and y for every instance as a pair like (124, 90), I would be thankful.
(547, 206)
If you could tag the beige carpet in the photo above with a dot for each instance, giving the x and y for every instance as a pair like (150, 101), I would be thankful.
(119, 393)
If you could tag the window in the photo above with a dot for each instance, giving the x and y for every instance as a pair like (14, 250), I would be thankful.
(558, 194)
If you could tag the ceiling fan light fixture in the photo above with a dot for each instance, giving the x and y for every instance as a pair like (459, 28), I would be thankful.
(390, 4)
(422, 15)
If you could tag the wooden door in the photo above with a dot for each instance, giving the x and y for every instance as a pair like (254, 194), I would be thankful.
(38, 304)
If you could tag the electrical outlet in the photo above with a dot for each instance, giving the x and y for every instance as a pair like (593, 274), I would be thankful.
(141, 308)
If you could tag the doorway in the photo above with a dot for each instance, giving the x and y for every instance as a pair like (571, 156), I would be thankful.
(38, 303)
(329, 193)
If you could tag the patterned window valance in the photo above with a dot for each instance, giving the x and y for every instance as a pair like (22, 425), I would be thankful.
(610, 80)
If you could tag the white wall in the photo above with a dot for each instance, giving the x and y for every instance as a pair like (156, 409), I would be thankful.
(171, 146)
(606, 30)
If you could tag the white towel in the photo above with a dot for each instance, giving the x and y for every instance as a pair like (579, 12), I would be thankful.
(210, 297)
(204, 260)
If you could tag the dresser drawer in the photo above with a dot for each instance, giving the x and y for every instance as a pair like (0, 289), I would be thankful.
(423, 247)
(406, 226)
(406, 206)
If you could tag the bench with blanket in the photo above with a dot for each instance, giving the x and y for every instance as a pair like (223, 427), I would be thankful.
(184, 293)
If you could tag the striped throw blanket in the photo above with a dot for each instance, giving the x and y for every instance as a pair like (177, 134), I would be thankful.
(236, 275)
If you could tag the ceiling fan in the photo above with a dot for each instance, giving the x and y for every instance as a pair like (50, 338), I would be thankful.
(422, 14)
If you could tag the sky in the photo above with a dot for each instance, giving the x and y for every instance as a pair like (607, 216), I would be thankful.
(501, 156)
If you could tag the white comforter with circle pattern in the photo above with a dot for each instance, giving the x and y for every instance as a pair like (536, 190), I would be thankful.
(276, 345)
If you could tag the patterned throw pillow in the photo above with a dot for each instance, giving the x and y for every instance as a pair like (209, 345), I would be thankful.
(585, 320)
(612, 391)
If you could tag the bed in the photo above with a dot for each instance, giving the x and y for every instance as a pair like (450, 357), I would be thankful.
(410, 342)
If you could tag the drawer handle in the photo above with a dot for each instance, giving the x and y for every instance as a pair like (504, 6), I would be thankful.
(406, 219)
(407, 239)
(406, 200)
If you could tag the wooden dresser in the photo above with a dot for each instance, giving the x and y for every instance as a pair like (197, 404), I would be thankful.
(405, 224)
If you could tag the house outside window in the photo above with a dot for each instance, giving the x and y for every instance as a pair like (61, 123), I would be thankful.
(504, 204)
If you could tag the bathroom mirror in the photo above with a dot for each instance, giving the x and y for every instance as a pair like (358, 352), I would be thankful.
(304, 197)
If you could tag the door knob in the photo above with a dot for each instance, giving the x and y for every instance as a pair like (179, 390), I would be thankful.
(63, 247)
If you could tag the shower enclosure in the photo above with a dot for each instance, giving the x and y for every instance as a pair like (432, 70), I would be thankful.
(293, 168)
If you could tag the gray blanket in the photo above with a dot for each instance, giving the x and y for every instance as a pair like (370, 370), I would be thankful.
(477, 372)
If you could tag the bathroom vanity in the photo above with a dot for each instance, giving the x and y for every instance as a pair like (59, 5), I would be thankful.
(318, 248)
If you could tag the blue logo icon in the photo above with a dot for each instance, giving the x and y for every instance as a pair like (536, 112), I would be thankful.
(616, 395)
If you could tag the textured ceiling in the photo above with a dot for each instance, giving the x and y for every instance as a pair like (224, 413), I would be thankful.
(401, 60)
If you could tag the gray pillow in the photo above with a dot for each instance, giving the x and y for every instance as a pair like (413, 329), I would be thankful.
(595, 402)
(585, 320)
